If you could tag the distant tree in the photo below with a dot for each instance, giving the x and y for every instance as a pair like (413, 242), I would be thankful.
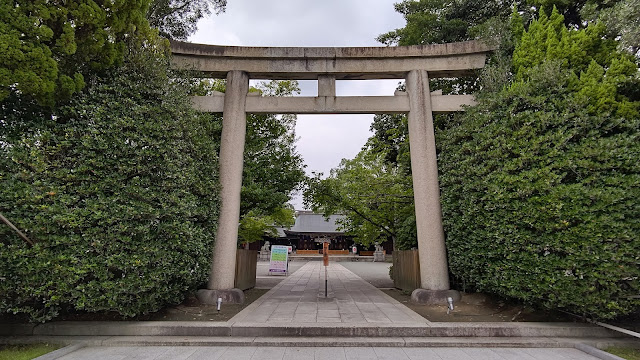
(374, 198)
(390, 138)
(273, 169)
(177, 19)
(441, 21)
(621, 18)
(444, 21)
(253, 226)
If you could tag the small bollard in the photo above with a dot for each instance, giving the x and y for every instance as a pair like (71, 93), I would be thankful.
(219, 303)
(449, 305)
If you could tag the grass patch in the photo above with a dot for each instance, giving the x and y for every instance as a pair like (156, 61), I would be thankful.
(25, 352)
(627, 353)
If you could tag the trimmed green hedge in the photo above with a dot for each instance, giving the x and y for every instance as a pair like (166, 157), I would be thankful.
(542, 205)
(540, 183)
(118, 189)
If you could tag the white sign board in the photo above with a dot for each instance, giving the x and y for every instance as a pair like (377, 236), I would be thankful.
(278, 263)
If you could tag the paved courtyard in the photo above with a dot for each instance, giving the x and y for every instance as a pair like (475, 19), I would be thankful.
(318, 353)
(300, 298)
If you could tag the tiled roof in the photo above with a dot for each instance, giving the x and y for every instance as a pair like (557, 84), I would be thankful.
(315, 223)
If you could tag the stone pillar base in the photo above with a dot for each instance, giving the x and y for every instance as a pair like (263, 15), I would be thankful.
(434, 297)
(378, 256)
(210, 297)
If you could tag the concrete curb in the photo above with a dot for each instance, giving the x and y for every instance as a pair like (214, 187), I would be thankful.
(56, 354)
(539, 342)
(600, 354)
(203, 328)
(340, 342)
(311, 341)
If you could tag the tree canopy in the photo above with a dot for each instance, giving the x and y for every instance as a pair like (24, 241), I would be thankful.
(273, 169)
(46, 49)
(177, 19)
(442, 21)
(370, 193)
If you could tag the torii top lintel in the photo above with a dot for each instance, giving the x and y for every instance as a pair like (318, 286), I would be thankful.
(306, 63)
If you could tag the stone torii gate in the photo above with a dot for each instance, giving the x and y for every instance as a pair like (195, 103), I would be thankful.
(415, 64)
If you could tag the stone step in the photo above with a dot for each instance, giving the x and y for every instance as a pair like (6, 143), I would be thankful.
(225, 329)
(518, 342)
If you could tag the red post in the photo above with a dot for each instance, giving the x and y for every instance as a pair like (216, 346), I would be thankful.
(325, 259)
(325, 253)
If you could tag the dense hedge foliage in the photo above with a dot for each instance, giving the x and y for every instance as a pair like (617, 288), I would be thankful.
(119, 191)
(540, 182)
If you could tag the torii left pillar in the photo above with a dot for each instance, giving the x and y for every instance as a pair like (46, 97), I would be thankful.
(234, 124)
(432, 253)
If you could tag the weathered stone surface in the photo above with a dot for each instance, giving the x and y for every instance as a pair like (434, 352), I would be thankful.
(433, 50)
(208, 296)
(299, 63)
(326, 85)
(335, 104)
(327, 348)
(434, 297)
(326, 65)
(300, 299)
(234, 124)
(434, 274)
(453, 332)
(16, 329)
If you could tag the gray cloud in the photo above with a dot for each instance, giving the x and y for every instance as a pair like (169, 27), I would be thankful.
(300, 23)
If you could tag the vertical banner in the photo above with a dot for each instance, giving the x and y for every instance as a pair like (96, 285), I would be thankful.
(278, 263)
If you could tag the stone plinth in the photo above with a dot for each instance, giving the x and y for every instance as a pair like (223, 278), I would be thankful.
(210, 297)
(434, 297)
(379, 256)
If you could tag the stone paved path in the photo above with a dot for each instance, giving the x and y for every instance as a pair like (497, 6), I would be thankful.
(317, 353)
(300, 298)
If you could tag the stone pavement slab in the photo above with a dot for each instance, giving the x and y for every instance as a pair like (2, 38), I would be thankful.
(321, 353)
(300, 299)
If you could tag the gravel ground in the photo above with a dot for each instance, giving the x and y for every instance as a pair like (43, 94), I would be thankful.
(375, 273)
(266, 281)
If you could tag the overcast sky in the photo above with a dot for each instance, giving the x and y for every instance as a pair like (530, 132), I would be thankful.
(324, 140)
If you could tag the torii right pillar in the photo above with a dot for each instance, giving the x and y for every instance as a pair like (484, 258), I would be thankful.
(434, 274)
